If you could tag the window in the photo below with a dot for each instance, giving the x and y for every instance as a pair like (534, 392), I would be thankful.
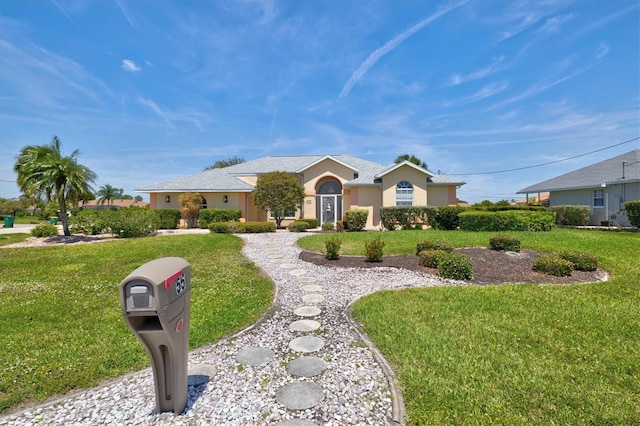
(598, 198)
(404, 194)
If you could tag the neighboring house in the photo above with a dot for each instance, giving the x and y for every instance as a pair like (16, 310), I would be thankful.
(540, 199)
(605, 186)
(332, 183)
(117, 204)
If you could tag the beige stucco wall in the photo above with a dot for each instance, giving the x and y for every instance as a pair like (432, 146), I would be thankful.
(368, 197)
(438, 195)
(417, 178)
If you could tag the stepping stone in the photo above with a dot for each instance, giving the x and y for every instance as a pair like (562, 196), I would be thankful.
(300, 395)
(297, 422)
(306, 280)
(255, 355)
(307, 311)
(311, 288)
(288, 266)
(304, 325)
(199, 374)
(306, 366)
(275, 256)
(298, 272)
(313, 298)
(306, 344)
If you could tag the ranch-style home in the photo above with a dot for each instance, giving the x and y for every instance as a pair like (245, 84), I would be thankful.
(605, 186)
(332, 183)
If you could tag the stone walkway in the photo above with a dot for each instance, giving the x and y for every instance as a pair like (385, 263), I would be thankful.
(302, 364)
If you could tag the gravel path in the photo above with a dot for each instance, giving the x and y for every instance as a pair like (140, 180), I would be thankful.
(354, 388)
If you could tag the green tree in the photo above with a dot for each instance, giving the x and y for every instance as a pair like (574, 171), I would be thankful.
(138, 198)
(108, 193)
(412, 159)
(225, 163)
(280, 193)
(43, 170)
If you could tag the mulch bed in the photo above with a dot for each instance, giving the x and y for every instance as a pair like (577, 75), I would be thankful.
(489, 266)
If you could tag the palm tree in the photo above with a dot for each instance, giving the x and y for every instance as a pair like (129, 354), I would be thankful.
(43, 171)
(108, 193)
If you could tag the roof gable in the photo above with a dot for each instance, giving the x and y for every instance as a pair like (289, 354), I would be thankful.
(404, 163)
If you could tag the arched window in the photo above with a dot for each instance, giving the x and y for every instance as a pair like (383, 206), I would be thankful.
(330, 187)
(404, 194)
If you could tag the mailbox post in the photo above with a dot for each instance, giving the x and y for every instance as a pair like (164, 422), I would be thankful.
(155, 301)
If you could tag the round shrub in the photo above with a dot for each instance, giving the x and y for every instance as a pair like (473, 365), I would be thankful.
(373, 249)
(504, 242)
(45, 230)
(433, 245)
(332, 248)
(581, 261)
(456, 266)
(298, 226)
(431, 258)
(552, 265)
(313, 222)
(328, 226)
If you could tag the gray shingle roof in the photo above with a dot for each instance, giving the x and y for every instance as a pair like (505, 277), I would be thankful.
(214, 180)
(607, 171)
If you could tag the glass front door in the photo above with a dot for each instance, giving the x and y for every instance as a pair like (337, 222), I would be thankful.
(330, 208)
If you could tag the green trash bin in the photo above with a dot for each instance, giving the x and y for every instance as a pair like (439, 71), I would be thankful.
(53, 220)
(8, 221)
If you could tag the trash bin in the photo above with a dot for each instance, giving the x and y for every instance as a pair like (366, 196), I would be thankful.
(8, 221)
(155, 300)
(53, 220)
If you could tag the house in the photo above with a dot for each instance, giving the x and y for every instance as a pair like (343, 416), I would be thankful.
(332, 184)
(605, 186)
(112, 204)
(536, 200)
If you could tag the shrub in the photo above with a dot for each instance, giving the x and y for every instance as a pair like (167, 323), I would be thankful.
(431, 258)
(168, 218)
(581, 261)
(356, 219)
(456, 266)
(132, 222)
(207, 216)
(88, 222)
(552, 265)
(572, 215)
(633, 212)
(340, 226)
(509, 220)
(221, 227)
(433, 245)
(407, 217)
(44, 230)
(447, 217)
(504, 242)
(328, 226)
(332, 247)
(242, 227)
(313, 222)
(373, 249)
(298, 226)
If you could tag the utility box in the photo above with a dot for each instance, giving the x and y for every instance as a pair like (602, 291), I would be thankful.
(155, 301)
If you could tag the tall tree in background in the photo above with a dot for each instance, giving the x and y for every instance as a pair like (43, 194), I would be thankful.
(43, 171)
(280, 193)
(108, 193)
(412, 159)
(226, 163)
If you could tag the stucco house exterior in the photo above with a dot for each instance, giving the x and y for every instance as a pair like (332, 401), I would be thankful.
(604, 186)
(333, 184)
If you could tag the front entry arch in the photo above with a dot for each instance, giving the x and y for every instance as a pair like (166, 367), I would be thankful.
(329, 202)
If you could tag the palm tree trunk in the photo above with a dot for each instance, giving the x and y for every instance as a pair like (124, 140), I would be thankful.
(63, 213)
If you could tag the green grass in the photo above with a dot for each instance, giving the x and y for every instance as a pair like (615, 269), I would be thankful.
(62, 327)
(513, 354)
(6, 239)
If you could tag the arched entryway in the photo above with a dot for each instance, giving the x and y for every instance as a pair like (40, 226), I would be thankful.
(329, 201)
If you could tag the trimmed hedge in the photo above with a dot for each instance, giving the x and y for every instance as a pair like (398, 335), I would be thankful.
(313, 222)
(581, 261)
(552, 265)
(447, 217)
(433, 245)
(431, 258)
(207, 216)
(356, 219)
(456, 266)
(633, 212)
(407, 217)
(328, 226)
(572, 215)
(298, 226)
(168, 218)
(242, 227)
(504, 242)
(509, 220)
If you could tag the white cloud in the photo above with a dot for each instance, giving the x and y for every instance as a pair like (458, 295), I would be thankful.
(129, 65)
(552, 25)
(527, 21)
(476, 75)
(603, 50)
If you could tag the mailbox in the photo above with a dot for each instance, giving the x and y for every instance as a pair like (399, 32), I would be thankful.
(155, 301)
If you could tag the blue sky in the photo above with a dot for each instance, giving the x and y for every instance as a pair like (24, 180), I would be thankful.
(152, 90)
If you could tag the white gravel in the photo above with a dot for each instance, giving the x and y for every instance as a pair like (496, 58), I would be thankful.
(356, 391)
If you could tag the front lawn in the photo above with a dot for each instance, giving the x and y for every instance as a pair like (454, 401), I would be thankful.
(512, 354)
(62, 327)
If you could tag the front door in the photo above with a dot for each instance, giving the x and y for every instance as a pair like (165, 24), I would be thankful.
(329, 202)
(328, 208)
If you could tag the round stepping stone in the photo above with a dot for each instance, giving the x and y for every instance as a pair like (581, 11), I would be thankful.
(306, 280)
(300, 395)
(298, 272)
(307, 311)
(306, 366)
(297, 422)
(304, 325)
(255, 356)
(277, 260)
(306, 344)
(288, 266)
(313, 298)
(311, 288)
(199, 374)
(275, 256)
